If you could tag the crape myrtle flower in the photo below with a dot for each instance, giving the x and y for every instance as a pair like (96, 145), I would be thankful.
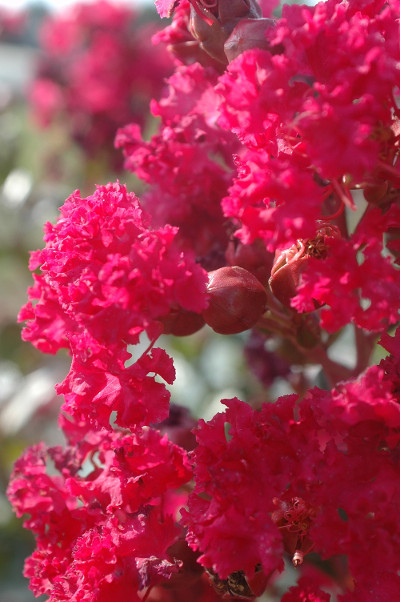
(106, 277)
(314, 123)
(305, 594)
(319, 119)
(101, 523)
(317, 476)
(94, 391)
(391, 363)
(187, 165)
(359, 270)
(329, 94)
(350, 58)
(105, 265)
(252, 200)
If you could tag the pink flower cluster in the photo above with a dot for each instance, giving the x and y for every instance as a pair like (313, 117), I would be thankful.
(12, 24)
(102, 526)
(275, 169)
(188, 163)
(320, 476)
(106, 277)
(98, 71)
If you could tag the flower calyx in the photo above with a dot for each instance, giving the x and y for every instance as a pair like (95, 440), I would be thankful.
(225, 28)
(294, 518)
(290, 263)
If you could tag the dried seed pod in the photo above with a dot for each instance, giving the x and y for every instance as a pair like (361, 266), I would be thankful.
(237, 585)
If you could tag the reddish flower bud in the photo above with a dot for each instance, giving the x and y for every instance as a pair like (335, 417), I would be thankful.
(253, 257)
(237, 300)
(285, 273)
(288, 265)
(181, 322)
(212, 22)
(376, 194)
(258, 582)
(249, 33)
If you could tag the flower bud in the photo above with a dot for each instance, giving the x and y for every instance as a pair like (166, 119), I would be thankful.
(253, 257)
(249, 33)
(237, 300)
(181, 322)
(376, 194)
(212, 22)
(285, 273)
(288, 264)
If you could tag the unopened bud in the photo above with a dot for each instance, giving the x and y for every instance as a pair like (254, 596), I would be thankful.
(181, 322)
(298, 558)
(376, 194)
(213, 21)
(253, 257)
(237, 300)
(249, 33)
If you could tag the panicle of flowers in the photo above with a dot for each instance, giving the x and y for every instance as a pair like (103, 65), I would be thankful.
(318, 121)
(320, 476)
(101, 525)
(117, 492)
(266, 145)
(315, 126)
(106, 277)
(187, 164)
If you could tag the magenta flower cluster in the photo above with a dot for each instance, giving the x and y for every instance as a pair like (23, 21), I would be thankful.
(272, 202)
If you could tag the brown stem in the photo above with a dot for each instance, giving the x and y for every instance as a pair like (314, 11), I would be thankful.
(147, 593)
(270, 324)
(365, 342)
(334, 372)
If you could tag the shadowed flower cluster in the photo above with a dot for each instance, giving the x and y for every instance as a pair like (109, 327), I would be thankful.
(98, 70)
